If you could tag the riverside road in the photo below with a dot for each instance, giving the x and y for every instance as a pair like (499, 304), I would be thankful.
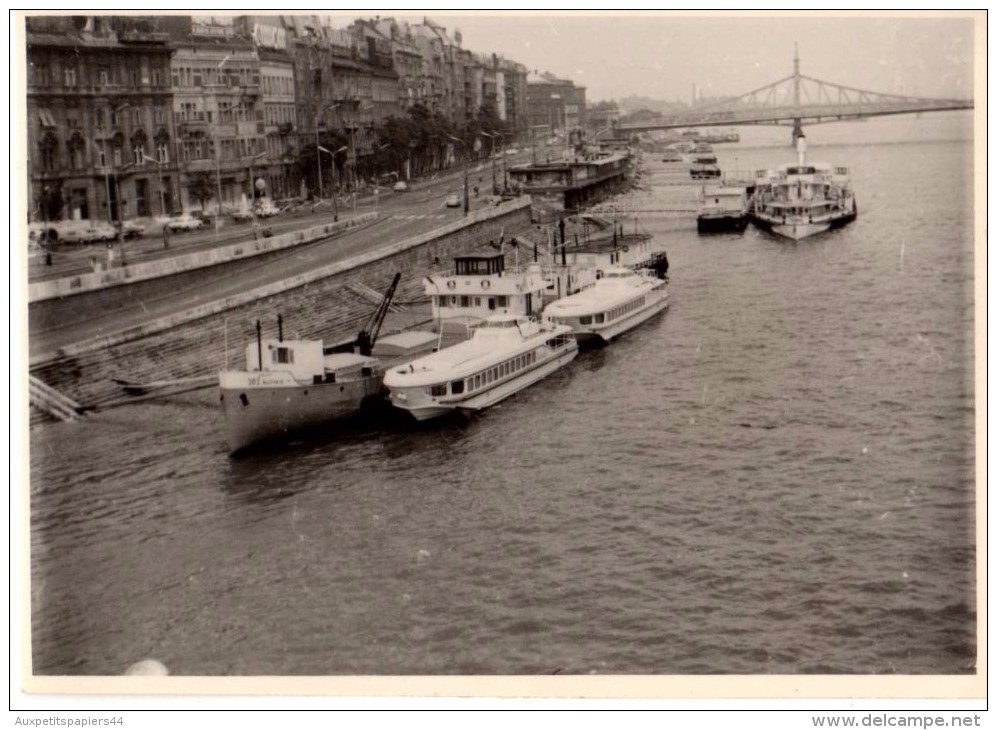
(401, 215)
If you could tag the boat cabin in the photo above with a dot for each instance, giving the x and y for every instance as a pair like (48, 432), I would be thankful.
(305, 361)
(482, 286)
(725, 200)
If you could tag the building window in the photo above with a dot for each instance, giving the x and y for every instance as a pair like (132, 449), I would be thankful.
(163, 153)
(40, 74)
(139, 152)
(157, 77)
(69, 76)
(116, 154)
(137, 117)
(101, 156)
(136, 77)
(48, 155)
(102, 77)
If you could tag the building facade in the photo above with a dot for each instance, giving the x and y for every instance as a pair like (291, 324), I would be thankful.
(99, 122)
(219, 112)
(554, 106)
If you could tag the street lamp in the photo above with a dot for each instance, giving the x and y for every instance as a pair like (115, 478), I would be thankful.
(492, 136)
(318, 157)
(335, 203)
(466, 157)
(162, 193)
(252, 192)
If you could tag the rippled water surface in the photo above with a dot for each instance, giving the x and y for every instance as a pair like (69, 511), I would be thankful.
(774, 476)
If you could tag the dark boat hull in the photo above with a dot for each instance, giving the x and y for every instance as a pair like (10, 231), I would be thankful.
(722, 224)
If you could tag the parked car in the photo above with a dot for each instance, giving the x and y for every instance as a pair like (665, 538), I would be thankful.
(401, 187)
(453, 201)
(132, 229)
(93, 232)
(266, 209)
(241, 215)
(184, 222)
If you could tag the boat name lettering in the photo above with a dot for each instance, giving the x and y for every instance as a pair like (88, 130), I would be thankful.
(264, 381)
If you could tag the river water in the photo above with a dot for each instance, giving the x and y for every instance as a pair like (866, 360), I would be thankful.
(775, 476)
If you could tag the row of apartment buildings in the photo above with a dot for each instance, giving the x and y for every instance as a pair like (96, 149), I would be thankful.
(146, 112)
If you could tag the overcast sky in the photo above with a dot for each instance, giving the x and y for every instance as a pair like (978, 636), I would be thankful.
(662, 56)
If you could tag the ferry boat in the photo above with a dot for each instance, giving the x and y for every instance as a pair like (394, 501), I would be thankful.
(671, 155)
(506, 354)
(724, 210)
(704, 167)
(291, 385)
(619, 301)
(804, 199)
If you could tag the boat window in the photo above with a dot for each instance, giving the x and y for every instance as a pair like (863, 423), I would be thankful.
(477, 301)
(457, 387)
(586, 319)
(600, 318)
(491, 302)
(283, 355)
(243, 399)
(441, 301)
(366, 372)
(477, 381)
(465, 301)
(439, 389)
(502, 301)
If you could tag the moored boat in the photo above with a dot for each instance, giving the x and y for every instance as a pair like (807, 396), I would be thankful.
(291, 385)
(704, 167)
(506, 354)
(801, 200)
(619, 301)
(725, 210)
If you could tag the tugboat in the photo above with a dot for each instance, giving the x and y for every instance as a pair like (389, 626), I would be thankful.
(801, 200)
(290, 385)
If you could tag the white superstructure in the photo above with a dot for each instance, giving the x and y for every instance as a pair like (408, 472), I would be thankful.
(506, 354)
(617, 302)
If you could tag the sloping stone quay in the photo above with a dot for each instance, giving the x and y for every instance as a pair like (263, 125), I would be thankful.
(314, 305)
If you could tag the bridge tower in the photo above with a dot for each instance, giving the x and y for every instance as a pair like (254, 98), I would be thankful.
(797, 121)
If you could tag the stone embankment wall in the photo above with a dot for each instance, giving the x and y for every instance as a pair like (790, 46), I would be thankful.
(313, 306)
(124, 275)
(78, 306)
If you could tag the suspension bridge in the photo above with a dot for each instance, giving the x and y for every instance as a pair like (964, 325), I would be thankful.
(796, 100)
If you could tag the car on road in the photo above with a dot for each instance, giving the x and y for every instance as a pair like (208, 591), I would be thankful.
(183, 222)
(512, 151)
(401, 187)
(241, 215)
(453, 201)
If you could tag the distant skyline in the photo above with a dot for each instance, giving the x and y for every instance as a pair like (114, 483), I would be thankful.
(663, 55)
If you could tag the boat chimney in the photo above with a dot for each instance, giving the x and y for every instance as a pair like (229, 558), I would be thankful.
(259, 346)
(280, 328)
(801, 150)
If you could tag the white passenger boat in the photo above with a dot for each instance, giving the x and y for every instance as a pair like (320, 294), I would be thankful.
(290, 385)
(506, 354)
(804, 199)
(617, 302)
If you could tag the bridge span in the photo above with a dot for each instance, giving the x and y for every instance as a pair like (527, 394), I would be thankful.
(796, 100)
